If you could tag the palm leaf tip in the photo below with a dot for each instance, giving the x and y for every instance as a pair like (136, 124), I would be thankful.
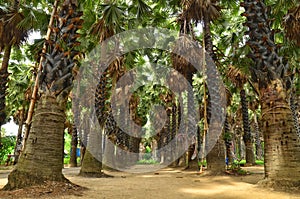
(291, 24)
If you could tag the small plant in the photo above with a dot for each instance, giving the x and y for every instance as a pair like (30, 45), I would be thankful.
(149, 161)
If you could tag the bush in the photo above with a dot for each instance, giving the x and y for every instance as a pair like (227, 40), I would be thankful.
(7, 147)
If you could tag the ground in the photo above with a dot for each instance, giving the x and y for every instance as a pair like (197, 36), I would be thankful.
(166, 183)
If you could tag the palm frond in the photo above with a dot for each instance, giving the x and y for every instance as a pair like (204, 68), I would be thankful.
(196, 9)
(10, 31)
(292, 24)
(236, 77)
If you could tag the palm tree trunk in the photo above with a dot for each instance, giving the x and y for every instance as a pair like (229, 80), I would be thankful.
(282, 149)
(3, 83)
(74, 144)
(36, 164)
(258, 147)
(228, 141)
(216, 157)
(19, 135)
(293, 106)
(250, 159)
(92, 160)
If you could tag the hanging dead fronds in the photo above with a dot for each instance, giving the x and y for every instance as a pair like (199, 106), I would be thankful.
(291, 24)
(195, 10)
(236, 76)
(10, 31)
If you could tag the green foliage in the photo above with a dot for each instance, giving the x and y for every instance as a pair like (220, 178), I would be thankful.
(8, 144)
(67, 147)
(243, 162)
(19, 82)
(147, 161)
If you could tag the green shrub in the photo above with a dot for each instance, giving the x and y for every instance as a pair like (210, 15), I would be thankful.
(8, 145)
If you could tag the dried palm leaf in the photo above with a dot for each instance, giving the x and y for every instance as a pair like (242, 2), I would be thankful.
(292, 24)
(236, 76)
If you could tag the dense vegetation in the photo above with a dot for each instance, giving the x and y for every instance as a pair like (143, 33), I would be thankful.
(252, 44)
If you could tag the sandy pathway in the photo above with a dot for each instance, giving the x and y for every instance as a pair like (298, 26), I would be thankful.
(171, 184)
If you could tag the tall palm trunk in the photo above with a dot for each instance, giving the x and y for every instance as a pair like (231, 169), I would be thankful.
(17, 149)
(258, 147)
(36, 163)
(228, 141)
(250, 159)
(91, 164)
(216, 157)
(174, 132)
(74, 145)
(42, 158)
(282, 149)
(92, 160)
(294, 110)
(3, 83)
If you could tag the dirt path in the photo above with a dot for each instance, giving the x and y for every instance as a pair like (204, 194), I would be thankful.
(170, 184)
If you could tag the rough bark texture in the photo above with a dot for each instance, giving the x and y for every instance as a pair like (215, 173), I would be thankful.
(250, 159)
(18, 144)
(91, 167)
(293, 106)
(135, 148)
(216, 158)
(258, 147)
(36, 164)
(92, 160)
(282, 148)
(109, 156)
(3, 83)
(74, 144)
(269, 74)
(228, 141)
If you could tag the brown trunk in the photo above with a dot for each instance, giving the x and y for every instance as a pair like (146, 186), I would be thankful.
(18, 145)
(42, 158)
(250, 158)
(249, 153)
(192, 164)
(82, 152)
(109, 156)
(228, 141)
(135, 148)
(3, 83)
(92, 160)
(258, 147)
(74, 144)
(282, 148)
(91, 167)
(216, 158)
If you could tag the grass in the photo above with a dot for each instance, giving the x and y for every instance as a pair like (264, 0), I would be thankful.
(243, 162)
(145, 161)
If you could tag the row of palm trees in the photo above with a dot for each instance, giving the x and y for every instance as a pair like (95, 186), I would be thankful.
(269, 77)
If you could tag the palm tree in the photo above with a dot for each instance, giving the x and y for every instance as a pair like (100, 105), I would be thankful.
(292, 25)
(269, 75)
(239, 80)
(10, 35)
(42, 158)
(258, 146)
(106, 26)
(207, 11)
